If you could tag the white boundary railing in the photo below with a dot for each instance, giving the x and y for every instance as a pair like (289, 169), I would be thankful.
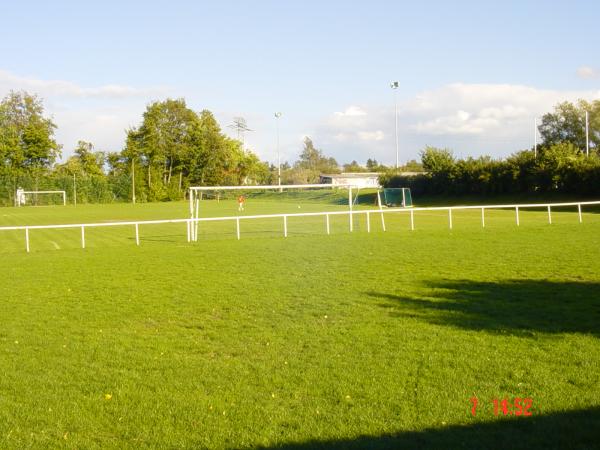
(411, 211)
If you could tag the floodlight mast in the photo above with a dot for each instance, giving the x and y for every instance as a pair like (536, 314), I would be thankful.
(277, 116)
(587, 135)
(394, 85)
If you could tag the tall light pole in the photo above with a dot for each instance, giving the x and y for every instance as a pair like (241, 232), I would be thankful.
(394, 86)
(277, 116)
(587, 135)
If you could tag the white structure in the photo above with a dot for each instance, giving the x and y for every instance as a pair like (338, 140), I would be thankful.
(357, 180)
(21, 197)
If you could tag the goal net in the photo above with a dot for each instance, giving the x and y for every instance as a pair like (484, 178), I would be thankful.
(40, 198)
(397, 197)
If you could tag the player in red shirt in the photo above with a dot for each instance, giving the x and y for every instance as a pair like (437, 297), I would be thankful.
(241, 201)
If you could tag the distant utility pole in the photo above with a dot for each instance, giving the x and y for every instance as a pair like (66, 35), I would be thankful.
(240, 126)
(587, 135)
(277, 116)
(394, 85)
(133, 180)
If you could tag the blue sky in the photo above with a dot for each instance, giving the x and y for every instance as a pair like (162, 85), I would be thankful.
(473, 75)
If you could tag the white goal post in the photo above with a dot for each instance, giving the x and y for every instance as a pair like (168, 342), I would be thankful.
(21, 196)
(196, 192)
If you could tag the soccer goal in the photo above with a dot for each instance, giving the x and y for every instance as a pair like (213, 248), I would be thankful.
(396, 197)
(212, 201)
(40, 198)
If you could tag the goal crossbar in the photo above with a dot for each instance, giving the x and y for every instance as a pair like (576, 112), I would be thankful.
(269, 186)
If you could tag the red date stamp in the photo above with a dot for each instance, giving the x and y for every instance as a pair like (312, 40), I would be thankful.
(517, 407)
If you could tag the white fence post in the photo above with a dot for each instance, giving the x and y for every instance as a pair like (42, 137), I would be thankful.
(450, 217)
(27, 239)
(327, 222)
(137, 234)
(195, 231)
(368, 223)
(549, 215)
(579, 212)
(517, 214)
(483, 217)
(284, 226)
(350, 203)
(82, 236)
(382, 221)
(237, 220)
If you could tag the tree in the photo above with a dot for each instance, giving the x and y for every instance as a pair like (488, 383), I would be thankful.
(437, 160)
(374, 166)
(354, 167)
(213, 152)
(312, 163)
(412, 166)
(162, 143)
(26, 136)
(567, 124)
(91, 162)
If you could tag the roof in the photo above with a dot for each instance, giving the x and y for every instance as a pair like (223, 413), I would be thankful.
(351, 175)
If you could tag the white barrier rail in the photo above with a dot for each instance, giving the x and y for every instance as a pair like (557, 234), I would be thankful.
(367, 212)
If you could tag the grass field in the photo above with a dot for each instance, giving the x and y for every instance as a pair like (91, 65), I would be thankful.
(353, 340)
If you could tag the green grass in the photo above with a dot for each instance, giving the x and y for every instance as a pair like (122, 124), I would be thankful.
(352, 340)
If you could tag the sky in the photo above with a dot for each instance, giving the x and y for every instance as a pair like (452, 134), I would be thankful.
(473, 76)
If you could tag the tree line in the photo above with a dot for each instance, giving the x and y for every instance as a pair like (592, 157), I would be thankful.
(565, 162)
(175, 147)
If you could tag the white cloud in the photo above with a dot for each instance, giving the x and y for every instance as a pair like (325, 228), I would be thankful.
(371, 135)
(473, 119)
(99, 114)
(62, 88)
(461, 122)
(103, 126)
(587, 72)
(482, 108)
(352, 111)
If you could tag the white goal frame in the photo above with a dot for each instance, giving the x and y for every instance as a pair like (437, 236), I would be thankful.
(196, 191)
(20, 199)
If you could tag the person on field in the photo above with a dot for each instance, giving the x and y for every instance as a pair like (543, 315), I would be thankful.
(241, 202)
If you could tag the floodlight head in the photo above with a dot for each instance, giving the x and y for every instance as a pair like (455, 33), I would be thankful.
(394, 85)
(277, 115)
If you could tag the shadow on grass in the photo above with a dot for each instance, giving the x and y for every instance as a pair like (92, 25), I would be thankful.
(510, 306)
(578, 429)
